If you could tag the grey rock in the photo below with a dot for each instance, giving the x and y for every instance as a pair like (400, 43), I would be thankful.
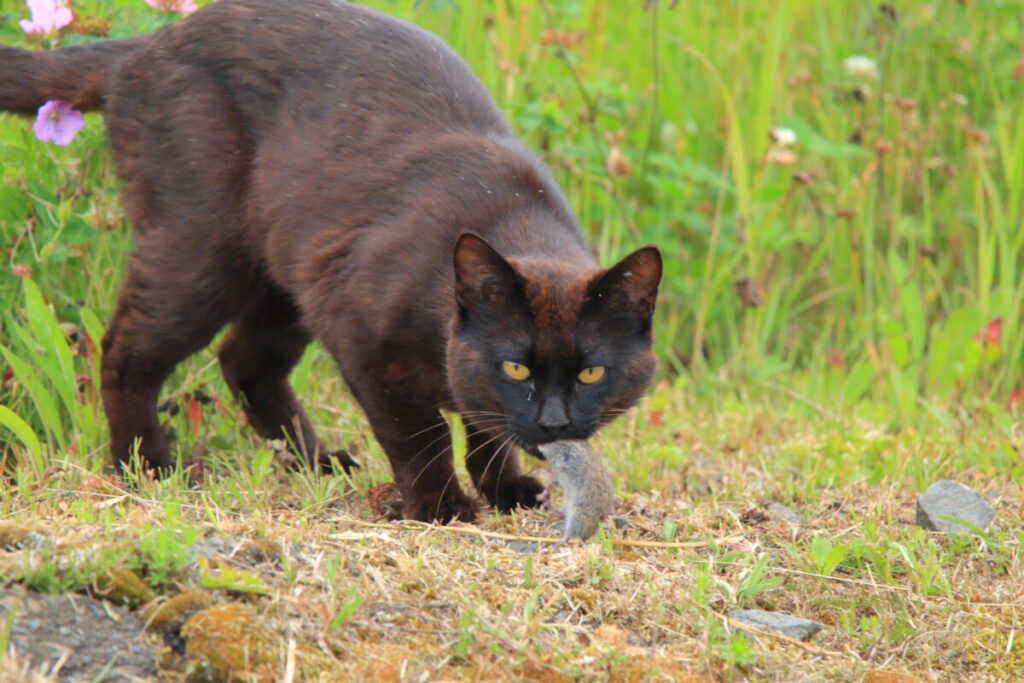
(90, 634)
(212, 547)
(524, 547)
(946, 497)
(780, 511)
(791, 627)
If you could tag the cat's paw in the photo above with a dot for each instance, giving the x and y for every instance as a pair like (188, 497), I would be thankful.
(513, 492)
(453, 505)
(327, 461)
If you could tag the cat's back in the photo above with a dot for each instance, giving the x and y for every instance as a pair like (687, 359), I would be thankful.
(312, 60)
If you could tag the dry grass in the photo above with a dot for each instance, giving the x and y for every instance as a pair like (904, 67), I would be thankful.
(459, 603)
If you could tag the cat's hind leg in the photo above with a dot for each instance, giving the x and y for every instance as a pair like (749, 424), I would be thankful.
(260, 350)
(171, 305)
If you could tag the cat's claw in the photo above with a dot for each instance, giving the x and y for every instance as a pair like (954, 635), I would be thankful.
(450, 506)
(513, 492)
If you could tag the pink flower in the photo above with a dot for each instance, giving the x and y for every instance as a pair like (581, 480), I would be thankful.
(185, 6)
(57, 121)
(47, 16)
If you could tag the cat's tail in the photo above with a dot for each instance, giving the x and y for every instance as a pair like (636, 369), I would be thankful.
(79, 74)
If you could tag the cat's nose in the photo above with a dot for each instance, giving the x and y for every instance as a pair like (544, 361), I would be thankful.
(553, 413)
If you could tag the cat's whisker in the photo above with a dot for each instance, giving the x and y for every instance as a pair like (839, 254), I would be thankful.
(490, 461)
(444, 451)
(487, 467)
(477, 424)
(501, 469)
(441, 453)
(447, 483)
(482, 412)
(443, 423)
(492, 428)
(499, 451)
(485, 419)
(432, 427)
(430, 462)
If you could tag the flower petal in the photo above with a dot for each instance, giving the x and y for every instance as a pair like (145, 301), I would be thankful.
(30, 27)
(57, 121)
(66, 127)
(63, 16)
(45, 124)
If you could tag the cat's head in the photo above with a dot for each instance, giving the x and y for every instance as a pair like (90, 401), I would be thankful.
(543, 349)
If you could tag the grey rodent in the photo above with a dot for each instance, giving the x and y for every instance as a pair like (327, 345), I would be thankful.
(585, 483)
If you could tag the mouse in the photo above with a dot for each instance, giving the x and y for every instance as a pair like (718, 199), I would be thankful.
(586, 486)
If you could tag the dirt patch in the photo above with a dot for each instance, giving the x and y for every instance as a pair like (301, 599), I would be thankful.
(77, 638)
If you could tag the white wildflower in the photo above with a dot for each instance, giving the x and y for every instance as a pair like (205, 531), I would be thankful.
(783, 137)
(862, 67)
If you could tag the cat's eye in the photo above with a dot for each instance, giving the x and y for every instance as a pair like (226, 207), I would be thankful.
(591, 374)
(516, 371)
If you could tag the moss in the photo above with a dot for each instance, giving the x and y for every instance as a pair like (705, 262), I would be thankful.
(891, 677)
(229, 642)
(124, 587)
(168, 617)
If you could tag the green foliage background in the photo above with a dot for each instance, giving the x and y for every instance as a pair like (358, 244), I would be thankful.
(884, 258)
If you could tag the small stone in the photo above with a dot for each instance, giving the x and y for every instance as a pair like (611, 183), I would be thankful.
(946, 497)
(791, 627)
(211, 547)
(780, 511)
(524, 547)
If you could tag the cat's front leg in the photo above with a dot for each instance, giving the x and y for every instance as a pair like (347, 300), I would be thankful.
(494, 466)
(418, 443)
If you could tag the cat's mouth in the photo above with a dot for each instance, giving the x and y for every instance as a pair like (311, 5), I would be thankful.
(526, 445)
(534, 451)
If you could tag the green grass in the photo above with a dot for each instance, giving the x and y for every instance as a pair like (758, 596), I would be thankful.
(882, 256)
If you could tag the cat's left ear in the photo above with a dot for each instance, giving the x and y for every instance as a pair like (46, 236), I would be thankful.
(631, 285)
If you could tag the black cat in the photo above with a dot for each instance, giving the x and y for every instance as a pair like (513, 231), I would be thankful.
(317, 169)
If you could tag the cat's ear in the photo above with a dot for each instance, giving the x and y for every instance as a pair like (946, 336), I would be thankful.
(631, 285)
(482, 276)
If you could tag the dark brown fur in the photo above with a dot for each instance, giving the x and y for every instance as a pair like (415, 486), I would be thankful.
(303, 170)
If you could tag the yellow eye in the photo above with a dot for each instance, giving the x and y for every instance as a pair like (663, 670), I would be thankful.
(591, 375)
(516, 371)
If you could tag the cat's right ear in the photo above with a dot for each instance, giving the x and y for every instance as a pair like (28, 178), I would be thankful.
(482, 276)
